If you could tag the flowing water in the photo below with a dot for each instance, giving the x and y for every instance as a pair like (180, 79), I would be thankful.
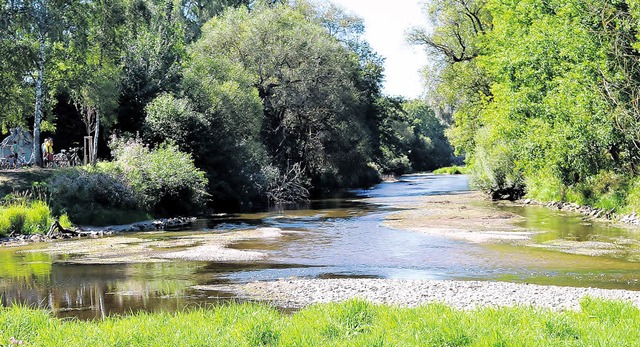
(331, 238)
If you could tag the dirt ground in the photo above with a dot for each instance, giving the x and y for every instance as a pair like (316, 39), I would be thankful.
(21, 179)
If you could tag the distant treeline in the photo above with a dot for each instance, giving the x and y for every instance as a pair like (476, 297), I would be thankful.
(275, 101)
(544, 95)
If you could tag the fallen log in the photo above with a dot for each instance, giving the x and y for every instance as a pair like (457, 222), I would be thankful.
(57, 229)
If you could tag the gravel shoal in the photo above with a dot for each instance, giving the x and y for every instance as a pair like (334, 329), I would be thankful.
(411, 293)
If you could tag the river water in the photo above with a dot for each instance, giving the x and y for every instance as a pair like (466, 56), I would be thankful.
(331, 238)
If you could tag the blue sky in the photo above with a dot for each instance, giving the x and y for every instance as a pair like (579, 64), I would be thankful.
(386, 22)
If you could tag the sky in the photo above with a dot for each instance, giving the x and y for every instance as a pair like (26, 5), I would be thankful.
(386, 22)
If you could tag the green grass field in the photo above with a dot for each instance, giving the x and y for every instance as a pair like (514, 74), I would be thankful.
(352, 323)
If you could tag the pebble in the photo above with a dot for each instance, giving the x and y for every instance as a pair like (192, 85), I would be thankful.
(410, 293)
(632, 218)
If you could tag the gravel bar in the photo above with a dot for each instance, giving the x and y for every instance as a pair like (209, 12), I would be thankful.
(411, 293)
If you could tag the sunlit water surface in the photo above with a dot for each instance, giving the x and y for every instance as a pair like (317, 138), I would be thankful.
(332, 238)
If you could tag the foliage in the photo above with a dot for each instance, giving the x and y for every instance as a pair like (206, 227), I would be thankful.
(543, 96)
(251, 89)
(91, 196)
(270, 90)
(139, 180)
(351, 323)
(451, 170)
(25, 218)
(302, 76)
(163, 180)
(409, 137)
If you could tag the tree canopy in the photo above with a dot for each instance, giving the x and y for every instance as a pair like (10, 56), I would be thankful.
(274, 100)
(545, 100)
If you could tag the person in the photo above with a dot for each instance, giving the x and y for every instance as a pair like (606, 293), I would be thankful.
(14, 150)
(48, 150)
(43, 150)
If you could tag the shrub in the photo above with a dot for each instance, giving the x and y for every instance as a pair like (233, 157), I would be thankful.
(163, 180)
(90, 196)
(451, 170)
(633, 196)
(25, 218)
(495, 170)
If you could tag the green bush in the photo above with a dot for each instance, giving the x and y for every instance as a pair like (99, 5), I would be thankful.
(451, 170)
(139, 181)
(163, 180)
(25, 218)
(495, 169)
(545, 185)
(633, 196)
(92, 196)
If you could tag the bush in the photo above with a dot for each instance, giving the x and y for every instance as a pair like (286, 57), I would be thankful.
(92, 196)
(25, 218)
(451, 170)
(140, 180)
(495, 170)
(163, 180)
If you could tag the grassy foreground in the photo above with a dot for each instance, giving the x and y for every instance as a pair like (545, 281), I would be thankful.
(352, 323)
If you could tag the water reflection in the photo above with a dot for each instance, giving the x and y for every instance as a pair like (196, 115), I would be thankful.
(93, 291)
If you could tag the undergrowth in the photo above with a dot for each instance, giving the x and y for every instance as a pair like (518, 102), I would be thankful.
(27, 213)
(451, 170)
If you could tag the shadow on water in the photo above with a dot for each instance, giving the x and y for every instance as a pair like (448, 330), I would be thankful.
(341, 237)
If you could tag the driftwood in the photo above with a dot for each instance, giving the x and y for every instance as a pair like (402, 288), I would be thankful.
(57, 229)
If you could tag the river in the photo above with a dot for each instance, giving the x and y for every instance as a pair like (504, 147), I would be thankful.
(332, 238)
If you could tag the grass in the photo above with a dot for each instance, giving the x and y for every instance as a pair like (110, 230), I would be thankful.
(22, 179)
(451, 170)
(26, 218)
(352, 323)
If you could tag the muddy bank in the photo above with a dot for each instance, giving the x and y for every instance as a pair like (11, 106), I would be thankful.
(410, 293)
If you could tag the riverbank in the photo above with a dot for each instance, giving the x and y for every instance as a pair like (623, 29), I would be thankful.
(96, 232)
(412, 293)
(472, 217)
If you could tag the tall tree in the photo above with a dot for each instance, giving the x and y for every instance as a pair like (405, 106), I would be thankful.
(45, 26)
(154, 49)
(304, 79)
(95, 81)
(456, 85)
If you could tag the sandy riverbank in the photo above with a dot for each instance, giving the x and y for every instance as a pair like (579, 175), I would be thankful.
(411, 293)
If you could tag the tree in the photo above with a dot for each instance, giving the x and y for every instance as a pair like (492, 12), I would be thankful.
(154, 49)
(95, 84)
(303, 77)
(41, 29)
(198, 12)
(457, 86)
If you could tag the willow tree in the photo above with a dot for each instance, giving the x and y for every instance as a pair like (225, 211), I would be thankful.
(305, 80)
(456, 85)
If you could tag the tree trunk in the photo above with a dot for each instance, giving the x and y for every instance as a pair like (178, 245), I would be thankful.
(94, 154)
(38, 114)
